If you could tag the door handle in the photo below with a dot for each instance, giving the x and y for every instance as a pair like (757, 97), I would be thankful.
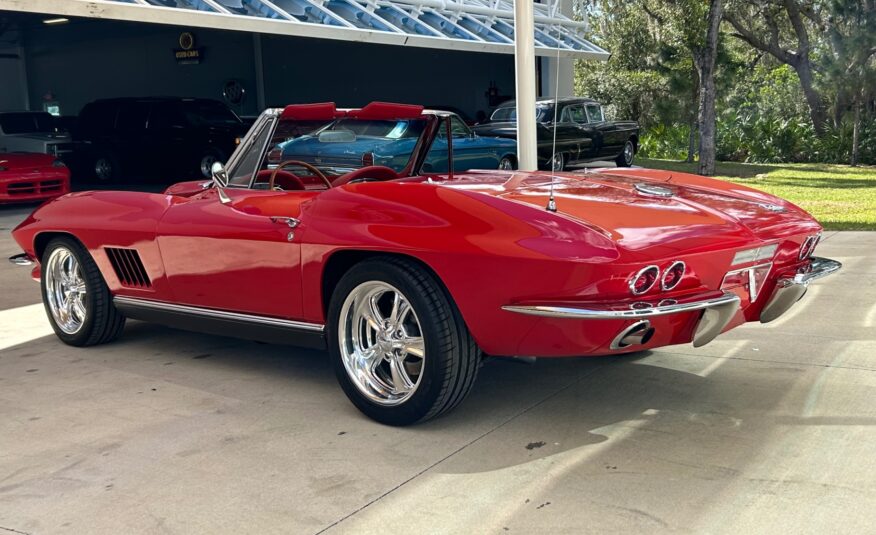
(291, 222)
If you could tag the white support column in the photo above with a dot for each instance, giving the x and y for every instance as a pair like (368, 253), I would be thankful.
(524, 57)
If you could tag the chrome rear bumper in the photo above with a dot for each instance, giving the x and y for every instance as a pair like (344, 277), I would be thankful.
(718, 309)
(790, 289)
(631, 311)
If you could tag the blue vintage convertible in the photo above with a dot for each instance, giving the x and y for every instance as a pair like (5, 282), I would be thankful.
(351, 143)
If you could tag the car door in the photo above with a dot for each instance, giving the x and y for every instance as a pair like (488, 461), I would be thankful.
(237, 249)
(468, 151)
(240, 254)
(605, 132)
(587, 137)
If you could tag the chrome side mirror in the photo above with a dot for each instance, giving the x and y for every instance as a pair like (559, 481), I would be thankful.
(220, 177)
(220, 181)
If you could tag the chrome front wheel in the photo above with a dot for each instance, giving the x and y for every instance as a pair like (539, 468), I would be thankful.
(76, 298)
(381, 343)
(65, 290)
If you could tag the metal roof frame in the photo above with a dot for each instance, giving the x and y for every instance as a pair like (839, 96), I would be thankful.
(467, 25)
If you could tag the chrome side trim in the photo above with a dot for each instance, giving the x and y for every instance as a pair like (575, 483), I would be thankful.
(218, 314)
(632, 313)
(21, 259)
(817, 268)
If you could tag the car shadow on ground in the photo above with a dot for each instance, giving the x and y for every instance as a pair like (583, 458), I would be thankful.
(554, 406)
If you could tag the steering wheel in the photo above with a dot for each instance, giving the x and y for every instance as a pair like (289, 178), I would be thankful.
(378, 172)
(316, 172)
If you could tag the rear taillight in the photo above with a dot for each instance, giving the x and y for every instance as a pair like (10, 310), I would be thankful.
(672, 276)
(644, 280)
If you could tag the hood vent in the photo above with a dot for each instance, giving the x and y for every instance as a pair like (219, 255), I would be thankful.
(128, 267)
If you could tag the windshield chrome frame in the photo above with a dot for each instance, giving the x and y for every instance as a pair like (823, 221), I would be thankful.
(268, 116)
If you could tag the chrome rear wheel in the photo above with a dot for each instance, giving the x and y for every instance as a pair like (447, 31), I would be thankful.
(381, 343)
(65, 290)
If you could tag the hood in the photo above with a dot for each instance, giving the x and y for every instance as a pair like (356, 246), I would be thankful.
(18, 161)
(691, 218)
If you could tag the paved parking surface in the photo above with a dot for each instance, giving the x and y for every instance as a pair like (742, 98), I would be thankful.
(769, 429)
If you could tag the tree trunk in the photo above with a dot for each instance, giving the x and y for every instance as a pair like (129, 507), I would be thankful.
(813, 98)
(705, 61)
(856, 132)
(693, 121)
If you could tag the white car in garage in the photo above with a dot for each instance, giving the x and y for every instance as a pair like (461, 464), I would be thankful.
(33, 131)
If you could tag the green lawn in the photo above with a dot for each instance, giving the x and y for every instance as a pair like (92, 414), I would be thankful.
(839, 196)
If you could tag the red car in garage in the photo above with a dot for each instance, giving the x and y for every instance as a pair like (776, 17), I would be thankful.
(27, 177)
(409, 278)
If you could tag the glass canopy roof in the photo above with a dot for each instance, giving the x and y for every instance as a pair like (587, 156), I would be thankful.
(477, 25)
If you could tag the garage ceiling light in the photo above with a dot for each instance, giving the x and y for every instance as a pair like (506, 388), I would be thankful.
(60, 20)
(471, 25)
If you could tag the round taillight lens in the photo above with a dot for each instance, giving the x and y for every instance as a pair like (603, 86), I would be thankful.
(644, 280)
(673, 275)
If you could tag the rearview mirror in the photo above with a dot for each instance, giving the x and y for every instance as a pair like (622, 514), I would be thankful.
(220, 177)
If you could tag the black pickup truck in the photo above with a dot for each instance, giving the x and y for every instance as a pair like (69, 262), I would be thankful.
(583, 134)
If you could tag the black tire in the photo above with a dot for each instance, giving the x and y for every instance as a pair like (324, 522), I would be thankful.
(103, 323)
(625, 158)
(561, 157)
(508, 163)
(105, 167)
(204, 164)
(452, 356)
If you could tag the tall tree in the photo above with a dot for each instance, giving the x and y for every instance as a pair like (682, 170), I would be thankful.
(705, 57)
(781, 28)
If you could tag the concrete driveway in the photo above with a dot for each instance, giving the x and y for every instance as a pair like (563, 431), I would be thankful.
(769, 429)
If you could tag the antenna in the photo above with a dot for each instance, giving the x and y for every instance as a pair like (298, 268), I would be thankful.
(552, 203)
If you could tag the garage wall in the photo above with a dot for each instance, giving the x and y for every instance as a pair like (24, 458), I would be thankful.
(12, 86)
(89, 59)
(86, 60)
(353, 74)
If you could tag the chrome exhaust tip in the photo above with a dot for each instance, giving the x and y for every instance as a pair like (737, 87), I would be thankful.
(638, 333)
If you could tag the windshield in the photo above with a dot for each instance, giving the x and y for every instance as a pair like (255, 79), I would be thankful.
(347, 144)
(209, 112)
(27, 123)
(509, 114)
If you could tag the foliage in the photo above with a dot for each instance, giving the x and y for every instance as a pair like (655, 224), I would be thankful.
(839, 196)
(765, 111)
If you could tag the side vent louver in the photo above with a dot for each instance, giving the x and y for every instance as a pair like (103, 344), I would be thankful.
(129, 268)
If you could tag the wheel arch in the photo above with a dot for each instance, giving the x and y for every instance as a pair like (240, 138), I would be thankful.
(341, 261)
(42, 240)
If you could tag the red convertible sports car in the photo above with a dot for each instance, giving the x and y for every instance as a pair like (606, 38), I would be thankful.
(27, 177)
(409, 279)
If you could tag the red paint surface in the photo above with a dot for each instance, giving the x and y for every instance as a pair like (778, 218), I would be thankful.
(486, 235)
(31, 177)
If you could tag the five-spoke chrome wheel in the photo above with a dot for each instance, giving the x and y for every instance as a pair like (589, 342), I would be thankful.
(381, 343)
(65, 290)
(557, 162)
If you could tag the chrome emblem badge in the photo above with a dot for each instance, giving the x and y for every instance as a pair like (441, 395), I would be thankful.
(771, 207)
(653, 189)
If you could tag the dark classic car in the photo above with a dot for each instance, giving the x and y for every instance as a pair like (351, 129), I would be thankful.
(115, 136)
(582, 133)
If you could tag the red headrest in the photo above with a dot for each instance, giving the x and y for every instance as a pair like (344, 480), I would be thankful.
(323, 111)
(387, 110)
